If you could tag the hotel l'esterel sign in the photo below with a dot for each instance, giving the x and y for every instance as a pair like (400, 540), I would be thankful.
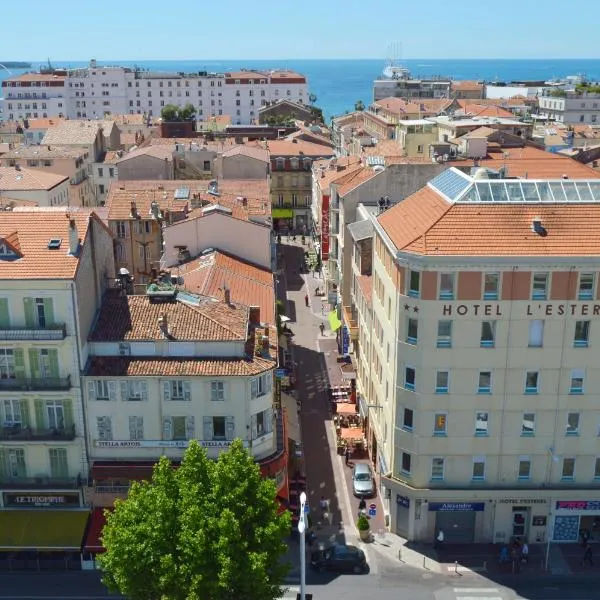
(161, 443)
(529, 310)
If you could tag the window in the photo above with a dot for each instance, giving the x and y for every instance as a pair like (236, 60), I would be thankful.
(441, 382)
(177, 390)
(586, 286)
(104, 428)
(491, 283)
(488, 331)
(536, 333)
(59, 468)
(577, 378)
(12, 413)
(528, 424)
(136, 428)
(405, 463)
(444, 334)
(179, 428)
(134, 391)
(111, 172)
(121, 227)
(440, 421)
(484, 385)
(217, 391)
(481, 423)
(582, 334)
(414, 284)
(262, 423)
(572, 424)
(100, 172)
(446, 286)
(408, 419)
(524, 468)
(261, 385)
(409, 378)
(13, 463)
(55, 413)
(531, 382)
(102, 389)
(540, 286)
(218, 424)
(437, 468)
(7, 363)
(568, 468)
(478, 468)
(412, 331)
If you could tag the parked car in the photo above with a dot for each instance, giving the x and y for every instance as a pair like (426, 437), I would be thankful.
(340, 558)
(363, 485)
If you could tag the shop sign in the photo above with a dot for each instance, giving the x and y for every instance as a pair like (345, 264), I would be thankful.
(37, 500)
(280, 478)
(162, 443)
(325, 228)
(591, 505)
(345, 340)
(277, 394)
(403, 501)
(522, 501)
(531, 310)
(456, 506)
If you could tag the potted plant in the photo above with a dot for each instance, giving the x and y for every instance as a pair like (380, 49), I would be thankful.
(364, 528)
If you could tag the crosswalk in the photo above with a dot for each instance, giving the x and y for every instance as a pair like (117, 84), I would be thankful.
(478, 593)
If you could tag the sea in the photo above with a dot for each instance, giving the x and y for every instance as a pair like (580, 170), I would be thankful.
(338, 84)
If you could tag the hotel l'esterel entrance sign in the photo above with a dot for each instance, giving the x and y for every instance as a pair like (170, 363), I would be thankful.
(579, 309)
(162, 443)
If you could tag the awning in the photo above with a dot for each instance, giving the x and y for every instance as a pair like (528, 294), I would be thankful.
(334, 321)
(282, 213)
(94, 533)
(130, 470)
(291, 411)
(42, 529)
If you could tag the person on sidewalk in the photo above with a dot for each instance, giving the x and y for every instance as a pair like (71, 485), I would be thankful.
(587, 556)
(525, 553)
(362, 507)
(439, 540)
(347, 455)
(306, 299)
(322, 328)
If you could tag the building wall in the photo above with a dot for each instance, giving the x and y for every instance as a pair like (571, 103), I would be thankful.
(57, 196)
(243, 167)
(139, 250)
(222, 232)
(145, 167)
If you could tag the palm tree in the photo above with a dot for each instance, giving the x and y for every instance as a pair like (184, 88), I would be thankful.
(312, 98)
(359, 105)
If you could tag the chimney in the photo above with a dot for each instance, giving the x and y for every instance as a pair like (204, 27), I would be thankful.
(537, 227)
(133, 212)
(73, 237)
(265, 345)
(163, 324)
(254, 315)
(227, 295)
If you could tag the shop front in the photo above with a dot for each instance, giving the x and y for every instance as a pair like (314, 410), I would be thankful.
(574, 518)
(402, 515)
(458, 520)
(525, 518)
(283, 219)
(41, 530)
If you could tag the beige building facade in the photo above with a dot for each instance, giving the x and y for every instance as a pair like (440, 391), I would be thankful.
(478, 370)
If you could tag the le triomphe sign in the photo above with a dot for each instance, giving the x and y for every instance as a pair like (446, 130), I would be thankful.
(529, 310)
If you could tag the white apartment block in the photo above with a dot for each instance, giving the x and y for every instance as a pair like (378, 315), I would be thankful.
(95, 91)
(478, 372)
(572, 108)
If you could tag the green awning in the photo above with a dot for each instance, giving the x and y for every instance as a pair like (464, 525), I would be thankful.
(282, 213)
(334, 322)
(42, 529)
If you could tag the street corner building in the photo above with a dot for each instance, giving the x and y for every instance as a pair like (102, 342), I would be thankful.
(476, 362)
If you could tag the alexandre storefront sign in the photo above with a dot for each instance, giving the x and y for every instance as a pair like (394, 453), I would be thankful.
(162, 443)
(456, 506)
(38, 500)
(529, 310)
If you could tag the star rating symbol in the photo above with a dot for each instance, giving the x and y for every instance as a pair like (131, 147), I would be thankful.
(406, 307)
(415, 309)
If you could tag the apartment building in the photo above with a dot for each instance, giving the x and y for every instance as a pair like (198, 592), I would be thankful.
(478, 368)
(33, 185)
(291, 181)
(570, 107)
(54, 266)
(71, 162)
(96, 91)
(407, 87)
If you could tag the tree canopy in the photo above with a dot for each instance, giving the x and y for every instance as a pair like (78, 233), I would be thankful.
(172, 112)
(209, 530)
(359, 105)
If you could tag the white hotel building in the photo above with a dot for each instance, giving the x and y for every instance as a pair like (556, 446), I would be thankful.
(95, 91)
(479, 373)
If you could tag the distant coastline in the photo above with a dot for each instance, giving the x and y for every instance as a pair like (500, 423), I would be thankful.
(15, 64)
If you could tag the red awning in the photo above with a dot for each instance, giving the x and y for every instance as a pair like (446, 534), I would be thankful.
(94, 532)
(128, 471)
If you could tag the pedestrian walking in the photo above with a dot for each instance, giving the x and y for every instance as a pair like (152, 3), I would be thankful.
(306, 299)
(439, 540)
(587, 556)
(322, 328)
(347, 455)
(362, 507)
(525, 553)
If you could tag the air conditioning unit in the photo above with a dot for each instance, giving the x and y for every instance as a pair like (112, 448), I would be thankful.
(124, 349)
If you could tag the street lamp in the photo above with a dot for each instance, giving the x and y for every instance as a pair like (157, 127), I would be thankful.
(302, 532)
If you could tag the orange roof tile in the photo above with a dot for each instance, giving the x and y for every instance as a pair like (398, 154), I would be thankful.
(480, 110)
(12, 179)
(467, 86)
(34, 231)
(44, 123)
(135, 318)
(247, 150)
(397, 106)
(354, 179)
(294, 148)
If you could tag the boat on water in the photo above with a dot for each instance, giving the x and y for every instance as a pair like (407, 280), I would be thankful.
(395, 71)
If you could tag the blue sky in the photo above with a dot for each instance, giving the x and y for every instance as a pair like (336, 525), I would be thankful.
(237, 29)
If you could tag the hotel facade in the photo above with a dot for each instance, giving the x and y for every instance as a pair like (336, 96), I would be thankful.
(478, 372)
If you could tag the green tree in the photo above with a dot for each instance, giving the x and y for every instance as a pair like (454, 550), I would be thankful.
(169, 112)
(206, 531)
(187, 112)
(359, 105)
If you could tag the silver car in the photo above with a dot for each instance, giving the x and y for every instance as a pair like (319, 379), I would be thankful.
(363, 485)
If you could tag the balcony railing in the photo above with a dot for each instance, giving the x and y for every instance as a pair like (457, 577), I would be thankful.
(48, 384)
(32, 483)
(351, 322)
(53, 332)
(29, 434)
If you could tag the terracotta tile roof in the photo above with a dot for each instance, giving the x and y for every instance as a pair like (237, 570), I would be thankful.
(112, 156)
(383, 148)
(76, 132)
(28, 179)
(34, 152)
(481, 110)
(127, 119)
(159, 152)
(248, 284)
(44, 123)
(128, 139)
(251, 151)
(135, 318)
(38, 77)
(397, 106)
(343, 166)
(365, 283)
(245, 75)
(354, 179)
(514, 101)
(465, 86)
(294, 148)
(172, 367)
(34, 231)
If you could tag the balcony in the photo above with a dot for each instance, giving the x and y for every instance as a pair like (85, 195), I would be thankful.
(34, 483)
(351, 322)
(29, 434)
(48, 384)
(20, 334)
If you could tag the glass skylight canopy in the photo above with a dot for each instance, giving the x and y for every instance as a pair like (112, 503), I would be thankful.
(456, 186)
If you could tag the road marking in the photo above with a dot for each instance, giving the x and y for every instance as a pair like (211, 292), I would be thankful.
(478, 597)
(463, 569)
(474, 590)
